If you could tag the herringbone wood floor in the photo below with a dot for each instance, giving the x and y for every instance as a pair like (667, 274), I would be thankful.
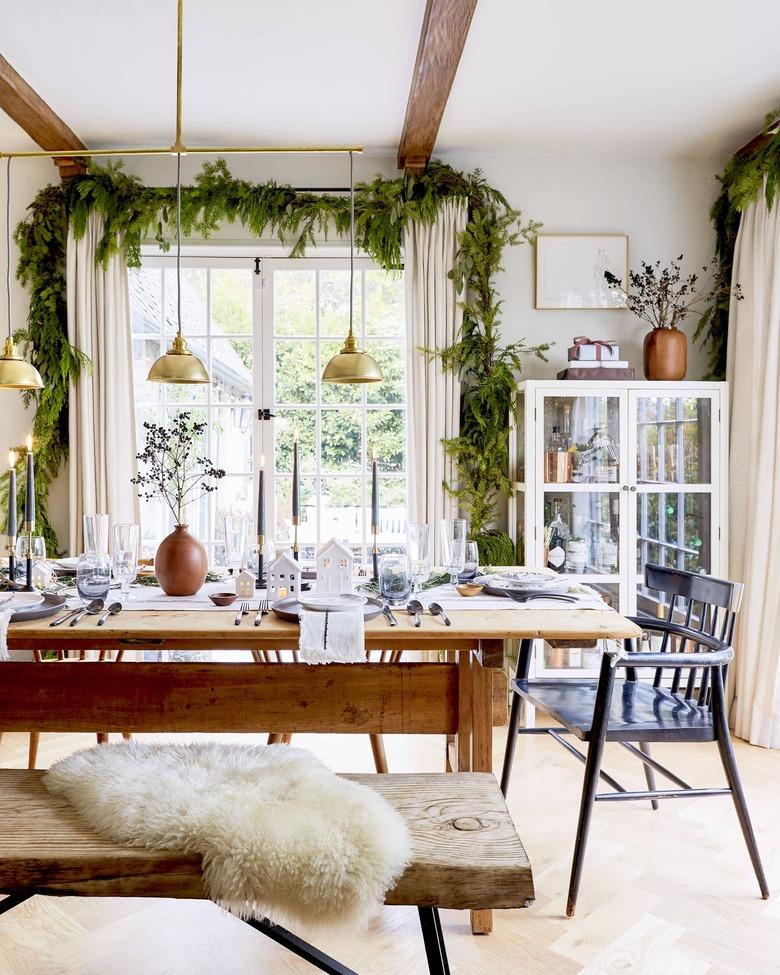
(665, 893)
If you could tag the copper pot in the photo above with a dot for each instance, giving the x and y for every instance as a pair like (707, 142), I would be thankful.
(665, 354)
(180, 563)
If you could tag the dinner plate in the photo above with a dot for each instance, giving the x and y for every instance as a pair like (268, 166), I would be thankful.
(332, 602)
(48, 604)
(20, 600)
(290, 608)
(69, 564)
(501, 584)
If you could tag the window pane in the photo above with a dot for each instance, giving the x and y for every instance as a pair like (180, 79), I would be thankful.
(385, 312)
(234, 496)
(307, 530)
(231, 370)
(341, 500)
(334, 303)
(391, 357)
(231, 439)
(183, 395)
(286, 422)
(332, 393)
(193, 301)
(231, 301)
(386, 431)
(145, 286)
(340, 441)
(392, 511)
(295, 302)
(295, 379)
(145, 352)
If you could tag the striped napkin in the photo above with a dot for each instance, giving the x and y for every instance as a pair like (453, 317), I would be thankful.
(332, 637)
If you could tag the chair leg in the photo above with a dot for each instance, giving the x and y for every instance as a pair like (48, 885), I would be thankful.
(523, 663)
(649, 772)
(378, 750)
(433, 938)
(32, 754)
(726, 750)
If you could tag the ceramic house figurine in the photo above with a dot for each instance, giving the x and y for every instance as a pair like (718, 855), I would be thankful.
(284, 577)
(334, 567)
(245, 585)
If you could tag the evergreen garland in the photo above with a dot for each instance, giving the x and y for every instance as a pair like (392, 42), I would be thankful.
(133, 213)
(741, 182)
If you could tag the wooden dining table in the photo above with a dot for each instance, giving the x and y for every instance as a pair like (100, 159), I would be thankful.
(449, 692)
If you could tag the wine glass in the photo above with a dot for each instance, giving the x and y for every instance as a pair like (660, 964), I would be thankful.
(471, 566)
(395, 578)
(235, 541)
(125, 556)
(453, 545)
(420, 549)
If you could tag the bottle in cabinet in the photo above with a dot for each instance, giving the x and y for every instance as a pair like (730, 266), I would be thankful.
(556, 537)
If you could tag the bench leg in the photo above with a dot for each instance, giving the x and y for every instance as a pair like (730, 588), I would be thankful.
(302, 948)
(13, 900)
(433, 938)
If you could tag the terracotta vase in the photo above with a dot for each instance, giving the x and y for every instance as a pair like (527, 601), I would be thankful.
(665, 354)
(180, 563)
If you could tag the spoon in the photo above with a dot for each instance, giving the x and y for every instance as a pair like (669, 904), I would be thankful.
(93, 608)
(112, 610)
(415, 608)
(435, 610)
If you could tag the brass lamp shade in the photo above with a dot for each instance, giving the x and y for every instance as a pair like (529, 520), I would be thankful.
(16, 372)
(352, 365)
(178, 365)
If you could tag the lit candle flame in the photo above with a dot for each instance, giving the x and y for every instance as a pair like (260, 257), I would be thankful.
(29, 444)
(12, 458)
(295, 434)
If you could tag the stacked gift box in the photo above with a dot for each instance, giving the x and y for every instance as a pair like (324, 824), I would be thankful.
(596, 359)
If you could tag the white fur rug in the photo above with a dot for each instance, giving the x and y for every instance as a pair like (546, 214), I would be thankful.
(281, 835)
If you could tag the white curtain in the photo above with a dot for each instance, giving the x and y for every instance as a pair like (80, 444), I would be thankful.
(433, 318)
(754, 375)
(102, 415)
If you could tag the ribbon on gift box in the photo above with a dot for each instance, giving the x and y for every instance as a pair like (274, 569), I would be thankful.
(600, 344)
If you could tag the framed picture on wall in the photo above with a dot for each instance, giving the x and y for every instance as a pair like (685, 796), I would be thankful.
(570, 270)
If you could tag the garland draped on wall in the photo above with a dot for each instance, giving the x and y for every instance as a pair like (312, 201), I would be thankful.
(742, 181)
(133, 213)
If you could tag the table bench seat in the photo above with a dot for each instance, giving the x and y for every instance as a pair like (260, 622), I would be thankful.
(465, 850)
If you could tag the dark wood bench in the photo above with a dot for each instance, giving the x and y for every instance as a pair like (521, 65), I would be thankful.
(466, 853)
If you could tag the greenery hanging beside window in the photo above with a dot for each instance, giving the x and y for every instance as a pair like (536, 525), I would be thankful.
(133, 213)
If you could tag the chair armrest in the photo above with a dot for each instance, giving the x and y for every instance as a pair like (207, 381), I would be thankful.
(719, 653)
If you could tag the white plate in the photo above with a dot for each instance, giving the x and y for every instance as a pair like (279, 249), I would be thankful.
(526, 581)
(331, 602)
(20, 600)
(66, 565)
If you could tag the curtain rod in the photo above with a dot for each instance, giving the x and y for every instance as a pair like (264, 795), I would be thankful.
(176, 150)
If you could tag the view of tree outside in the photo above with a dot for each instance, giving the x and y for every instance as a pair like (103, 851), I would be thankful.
(338, 425)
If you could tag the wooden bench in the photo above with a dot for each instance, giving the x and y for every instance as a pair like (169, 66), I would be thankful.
(465, 853)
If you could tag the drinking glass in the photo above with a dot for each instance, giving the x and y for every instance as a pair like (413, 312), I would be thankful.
(125, 556)
(96, 533)
(395, 578)
(471, 566)
(420, 549)
(35, 547)
(93, 576)
(453, 546)
(235, 541)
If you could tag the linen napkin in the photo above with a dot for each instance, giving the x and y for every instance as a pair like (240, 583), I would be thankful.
(332, 637)
(5, 618)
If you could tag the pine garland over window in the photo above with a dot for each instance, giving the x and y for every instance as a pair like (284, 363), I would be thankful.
(134, 213)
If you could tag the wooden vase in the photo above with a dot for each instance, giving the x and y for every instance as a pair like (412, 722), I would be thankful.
(665, 354)
(180, 563)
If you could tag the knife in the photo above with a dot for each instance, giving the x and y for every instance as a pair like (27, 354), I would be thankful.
(389, 614)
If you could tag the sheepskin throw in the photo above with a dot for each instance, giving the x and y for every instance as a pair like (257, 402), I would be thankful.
(281, 835)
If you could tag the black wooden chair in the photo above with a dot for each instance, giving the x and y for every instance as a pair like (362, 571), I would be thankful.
(696, 645)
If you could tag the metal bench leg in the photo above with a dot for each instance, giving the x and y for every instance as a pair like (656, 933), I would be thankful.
(13, 900)
(649, 773)
(300, 947)
(435, 950)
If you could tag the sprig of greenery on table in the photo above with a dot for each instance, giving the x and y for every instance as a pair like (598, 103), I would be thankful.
(437, 579)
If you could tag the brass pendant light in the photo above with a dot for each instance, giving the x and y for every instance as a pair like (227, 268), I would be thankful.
(178, 365)
(15, 372)
(352, 364)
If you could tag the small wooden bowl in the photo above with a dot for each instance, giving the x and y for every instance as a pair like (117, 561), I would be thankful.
(223, 598)
(469, 588)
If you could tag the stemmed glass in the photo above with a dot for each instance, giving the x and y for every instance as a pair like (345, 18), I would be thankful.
(453, 546)
(420, 549)
(125, 556)
(235, 541)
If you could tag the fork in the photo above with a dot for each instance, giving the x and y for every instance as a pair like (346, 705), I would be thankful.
(262, 610)
(243, 611)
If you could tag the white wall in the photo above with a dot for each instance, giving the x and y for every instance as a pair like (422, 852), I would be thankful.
(27, 177)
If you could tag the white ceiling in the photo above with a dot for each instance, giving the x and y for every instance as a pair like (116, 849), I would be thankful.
(600, 77)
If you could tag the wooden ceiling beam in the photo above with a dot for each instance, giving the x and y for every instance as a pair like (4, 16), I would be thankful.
(443, 35)
(26, 107)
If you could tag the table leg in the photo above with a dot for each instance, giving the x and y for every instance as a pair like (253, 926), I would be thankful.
(482, 745)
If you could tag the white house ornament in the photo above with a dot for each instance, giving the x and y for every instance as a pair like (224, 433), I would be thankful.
(284, 577)
(334, 567)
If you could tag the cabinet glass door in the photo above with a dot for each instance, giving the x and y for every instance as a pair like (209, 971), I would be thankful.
(581, 439)
(673, 467)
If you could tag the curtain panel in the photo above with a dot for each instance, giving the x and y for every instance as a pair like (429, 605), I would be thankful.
(102, 409)
(753, 371)
(433, 319)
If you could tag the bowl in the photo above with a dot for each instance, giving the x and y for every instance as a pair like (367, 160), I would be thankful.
(223, 598)
(469, 588)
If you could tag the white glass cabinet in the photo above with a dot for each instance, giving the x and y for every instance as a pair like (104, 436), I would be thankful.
(640, 470)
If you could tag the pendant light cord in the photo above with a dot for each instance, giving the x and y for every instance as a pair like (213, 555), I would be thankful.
(178, 241)
(351, 239)
(8, 241)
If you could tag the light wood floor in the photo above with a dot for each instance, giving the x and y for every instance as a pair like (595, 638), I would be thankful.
(665, 893)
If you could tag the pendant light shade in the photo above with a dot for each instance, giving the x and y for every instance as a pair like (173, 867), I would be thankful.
(178, 365)
(352, 364)
(15, 372)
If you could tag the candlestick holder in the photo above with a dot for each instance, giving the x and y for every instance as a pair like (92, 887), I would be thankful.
(29, 528)
(260, 582)
(375, 554)
(12, 559)
(296, 549)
